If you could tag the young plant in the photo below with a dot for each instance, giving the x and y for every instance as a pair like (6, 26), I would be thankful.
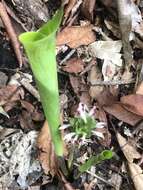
(83, 125)
(40, 47)
(93, 160)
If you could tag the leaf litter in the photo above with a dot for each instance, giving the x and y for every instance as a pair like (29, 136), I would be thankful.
(101, 75)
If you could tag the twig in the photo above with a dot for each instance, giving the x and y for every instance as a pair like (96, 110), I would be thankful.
(96, 176)
(67, 56)
(12, 14)
(125, 27)
(10, 30)
(114, 82)
(30, 89)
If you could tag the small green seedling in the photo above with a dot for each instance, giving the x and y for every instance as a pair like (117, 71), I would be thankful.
(93, 160)
(40, 47)
(82, 127)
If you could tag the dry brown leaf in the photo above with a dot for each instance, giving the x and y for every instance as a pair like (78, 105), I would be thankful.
(118, 111)
(136, 175)
(76, 36)
(88, 8)
(26, 122)
(10, 93)
(129, 151)
(95, 75)
(34, 114)
(74, 65)
(133, 103)
(47, 155)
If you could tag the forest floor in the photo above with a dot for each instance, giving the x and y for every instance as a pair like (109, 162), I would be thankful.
(99, 52)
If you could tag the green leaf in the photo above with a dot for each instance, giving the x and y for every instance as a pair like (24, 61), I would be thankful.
(105, 155)
(40, 47)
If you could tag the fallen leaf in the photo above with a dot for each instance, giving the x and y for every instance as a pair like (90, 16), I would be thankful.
(129, 151)
(10, 93)
(131, 154)
(133, 103)
(28, 106)
(109, 50)
(74, 65)
(26, 122)
(47, 155)
(76, 36)
(94, 76)
(136, 175)
(88, 8)
(118, 111)
(34, 114)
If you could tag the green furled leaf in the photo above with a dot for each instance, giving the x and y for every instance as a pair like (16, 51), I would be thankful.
(105, 155)
(40, 48)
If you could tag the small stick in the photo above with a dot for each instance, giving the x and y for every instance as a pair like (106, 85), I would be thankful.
(10, 30)
(125, 27)
(114, 82)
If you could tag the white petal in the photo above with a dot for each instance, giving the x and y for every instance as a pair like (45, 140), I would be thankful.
(99, 134)
(64, 126)
(69, 136)
(100, 125)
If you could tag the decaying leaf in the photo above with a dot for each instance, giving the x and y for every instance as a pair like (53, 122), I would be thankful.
(47, 155)
(108, 50)
(118, 111)
(129, 151)
(133, 103)
(136, 175)
(10, 93)
(18, 158)
(94, 76)
(74, 65)
(76, 36)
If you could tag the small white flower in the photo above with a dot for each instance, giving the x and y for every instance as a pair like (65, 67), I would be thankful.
(100, 125)
(98, 134)
(68, 137)
(64, 126)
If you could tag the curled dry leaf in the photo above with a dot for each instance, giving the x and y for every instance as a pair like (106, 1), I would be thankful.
(47, 155)
(136, 175)
(129, 151)
(10, 93)
(76, 36)
(118, 111)
(74, 65)
(133, 103)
